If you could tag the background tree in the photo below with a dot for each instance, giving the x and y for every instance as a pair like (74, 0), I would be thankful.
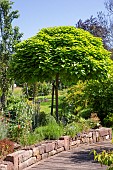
(65, 52)
(98, 26)
(9, 36)
(109, 7)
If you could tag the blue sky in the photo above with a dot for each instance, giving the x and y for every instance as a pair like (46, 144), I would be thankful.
(37, 14)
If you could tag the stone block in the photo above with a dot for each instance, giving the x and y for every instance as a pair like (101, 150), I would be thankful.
(78, 142)
(90, 134)
(103, 132)
(36, 151)
(53, 152)
(31, 161)
(83, 135)
(6, 165)
(72, 143)
(90, 140)
(110, 133)
(66, 142)
(3, 167)
(60, 150)
(44, 155)
(83, 140)
(97, 134)
(54, 144)
(38, 158)
(27, 163)
(41, 149)
(14, 158)
(49, 147)
(100, 139)
(60, 143)
(94, 137)
(25, 155)
(22, 165)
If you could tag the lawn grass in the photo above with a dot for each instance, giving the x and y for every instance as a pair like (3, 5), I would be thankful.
(45, 105)
(45, 101)
(17, 92)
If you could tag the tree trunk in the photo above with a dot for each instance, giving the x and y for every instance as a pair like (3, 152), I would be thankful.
(52, 102)
(3, 101)
(34, 91)
(4, 89)
(56, 94)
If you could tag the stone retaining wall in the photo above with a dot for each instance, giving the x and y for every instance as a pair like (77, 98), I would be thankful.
(30, 155)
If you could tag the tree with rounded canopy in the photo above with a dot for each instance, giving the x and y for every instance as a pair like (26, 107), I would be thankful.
(64, 52)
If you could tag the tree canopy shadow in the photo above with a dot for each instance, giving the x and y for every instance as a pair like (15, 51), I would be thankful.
(86, 155)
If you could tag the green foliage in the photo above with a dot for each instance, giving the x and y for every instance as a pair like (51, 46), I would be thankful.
(45, 119)
(3, 128)
(90, 97)
(70, 52)
(50, 131)
(104, 158)
(9, 37)
(100, 97)
(74, 100)
(44, 88)
(75, 127)
(41, 89)
(108, 120)
(63, 52)
(72, 129)
(20, 114)
(94, 121)
(30, 139)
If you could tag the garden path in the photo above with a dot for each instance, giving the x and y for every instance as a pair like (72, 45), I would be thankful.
(78, 158)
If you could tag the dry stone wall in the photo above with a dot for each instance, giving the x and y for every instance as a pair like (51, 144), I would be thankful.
(26, 157)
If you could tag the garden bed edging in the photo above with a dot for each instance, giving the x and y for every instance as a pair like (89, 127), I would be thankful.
(30, 155)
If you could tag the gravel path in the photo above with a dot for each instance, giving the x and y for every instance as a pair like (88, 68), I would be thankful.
(78, 158)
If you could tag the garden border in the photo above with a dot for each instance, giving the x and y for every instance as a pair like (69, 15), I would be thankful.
(30, 155)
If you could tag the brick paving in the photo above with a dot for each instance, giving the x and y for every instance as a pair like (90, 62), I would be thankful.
(77, 158)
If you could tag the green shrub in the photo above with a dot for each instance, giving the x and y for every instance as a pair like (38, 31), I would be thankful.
(104, 158)
(50, 131)
(30, 139)
(44, 88)
(74, 100)
(86, 112)
(100, 97)
(108, 121)
(73, 129)
(45, 119)
(93, 96)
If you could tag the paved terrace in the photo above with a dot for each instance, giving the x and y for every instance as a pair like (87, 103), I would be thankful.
(78, 158)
